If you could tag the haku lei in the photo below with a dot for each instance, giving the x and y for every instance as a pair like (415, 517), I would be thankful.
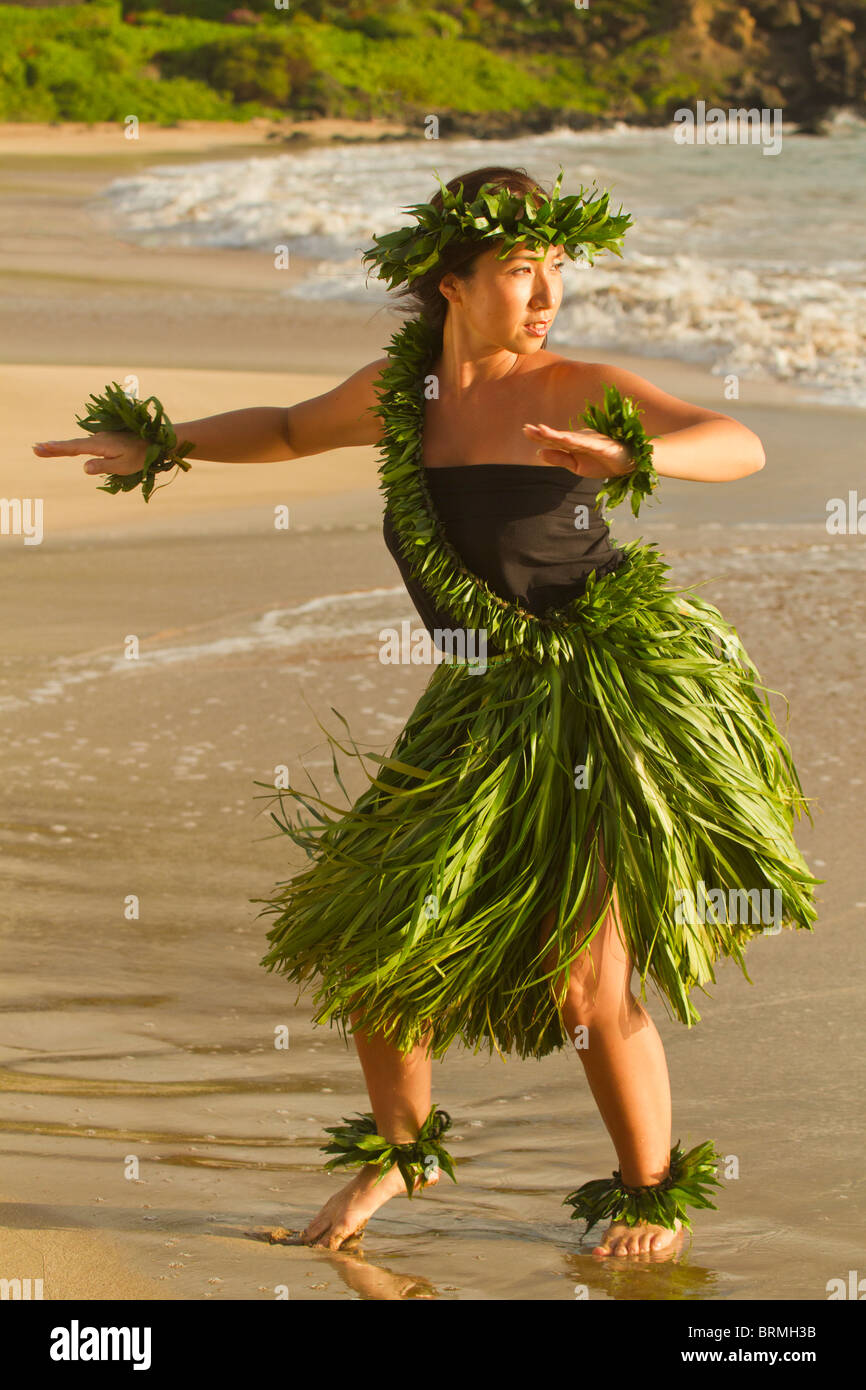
(580, 223)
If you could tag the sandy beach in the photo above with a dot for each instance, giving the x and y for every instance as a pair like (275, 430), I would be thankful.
(151, 1128)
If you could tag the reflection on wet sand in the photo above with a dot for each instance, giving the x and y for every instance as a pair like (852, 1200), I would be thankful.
(153, 1040)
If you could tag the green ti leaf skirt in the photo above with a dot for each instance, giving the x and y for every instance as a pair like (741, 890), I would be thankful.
(642, 731)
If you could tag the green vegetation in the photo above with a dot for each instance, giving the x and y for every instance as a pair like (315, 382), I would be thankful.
(482, 65)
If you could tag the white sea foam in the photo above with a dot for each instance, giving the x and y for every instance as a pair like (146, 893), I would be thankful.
(344, 621)
(751, 269)
(305, 628)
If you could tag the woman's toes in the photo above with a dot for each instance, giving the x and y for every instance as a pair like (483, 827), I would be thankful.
(322, 1240)
(640, 1240)
(343, 1235)
(666, 1238)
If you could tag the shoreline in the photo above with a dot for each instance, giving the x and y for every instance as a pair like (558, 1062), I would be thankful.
(75, 292)
(208, 330)
(152, 1038)
(341, 488)
(39, 139)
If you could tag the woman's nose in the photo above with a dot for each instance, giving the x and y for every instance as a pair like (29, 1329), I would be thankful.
(544, 295)
(544, 298)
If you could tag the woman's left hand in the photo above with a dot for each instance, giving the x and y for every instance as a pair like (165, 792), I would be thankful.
(586, 452)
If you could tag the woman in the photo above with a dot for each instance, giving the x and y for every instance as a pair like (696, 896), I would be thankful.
(519, 854)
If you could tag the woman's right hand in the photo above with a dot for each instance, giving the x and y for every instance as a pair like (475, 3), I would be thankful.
(121, 451)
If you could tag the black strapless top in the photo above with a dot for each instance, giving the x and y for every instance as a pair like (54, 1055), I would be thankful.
(531, 531)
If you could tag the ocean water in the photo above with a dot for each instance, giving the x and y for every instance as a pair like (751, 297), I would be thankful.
(746, 261)
(153, 1035)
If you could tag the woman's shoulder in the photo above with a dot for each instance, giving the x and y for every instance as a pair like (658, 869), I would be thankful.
(562, 386)
(576, 384)
(574, 377)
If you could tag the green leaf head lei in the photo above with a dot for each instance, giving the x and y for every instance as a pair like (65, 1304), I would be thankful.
(580, 223)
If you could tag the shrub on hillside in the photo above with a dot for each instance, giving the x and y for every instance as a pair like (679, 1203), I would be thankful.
(267, 66)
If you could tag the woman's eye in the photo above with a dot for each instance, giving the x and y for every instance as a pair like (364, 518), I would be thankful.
(520, 269)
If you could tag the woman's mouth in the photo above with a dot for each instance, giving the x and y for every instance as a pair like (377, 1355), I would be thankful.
(539, 329)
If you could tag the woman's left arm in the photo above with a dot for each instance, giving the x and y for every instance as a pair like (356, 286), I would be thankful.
(688, 441)
(702, 445)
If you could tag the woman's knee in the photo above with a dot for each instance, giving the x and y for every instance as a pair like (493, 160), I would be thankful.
(594, 983)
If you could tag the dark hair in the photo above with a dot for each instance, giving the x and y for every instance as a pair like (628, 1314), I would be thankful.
(460, 255)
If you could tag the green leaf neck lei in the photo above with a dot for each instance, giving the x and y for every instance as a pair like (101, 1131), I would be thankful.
(432, 560)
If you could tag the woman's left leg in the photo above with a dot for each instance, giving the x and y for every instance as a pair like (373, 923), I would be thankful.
(624, 1062)
(399, 1086)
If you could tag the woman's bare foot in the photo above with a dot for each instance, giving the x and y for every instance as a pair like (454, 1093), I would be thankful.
(346, 1213)
(642, 1239)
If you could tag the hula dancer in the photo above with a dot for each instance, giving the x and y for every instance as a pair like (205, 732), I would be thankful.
(586, 800)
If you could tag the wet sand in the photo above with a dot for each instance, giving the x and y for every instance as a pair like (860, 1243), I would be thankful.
(149, 1040)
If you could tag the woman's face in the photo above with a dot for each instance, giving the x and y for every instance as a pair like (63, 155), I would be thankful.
(509, 303)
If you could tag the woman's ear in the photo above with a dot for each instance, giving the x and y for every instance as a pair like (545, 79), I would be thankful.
(448, 287)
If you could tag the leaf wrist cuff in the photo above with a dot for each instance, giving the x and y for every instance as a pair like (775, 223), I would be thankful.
(619, 419)
(357, 1143)
(691, 1175)
(114, 411)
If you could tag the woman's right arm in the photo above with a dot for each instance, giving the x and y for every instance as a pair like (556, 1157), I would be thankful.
(259, 434)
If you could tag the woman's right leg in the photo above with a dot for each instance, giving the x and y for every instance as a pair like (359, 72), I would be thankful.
(399, 1086)
(624, 1061)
